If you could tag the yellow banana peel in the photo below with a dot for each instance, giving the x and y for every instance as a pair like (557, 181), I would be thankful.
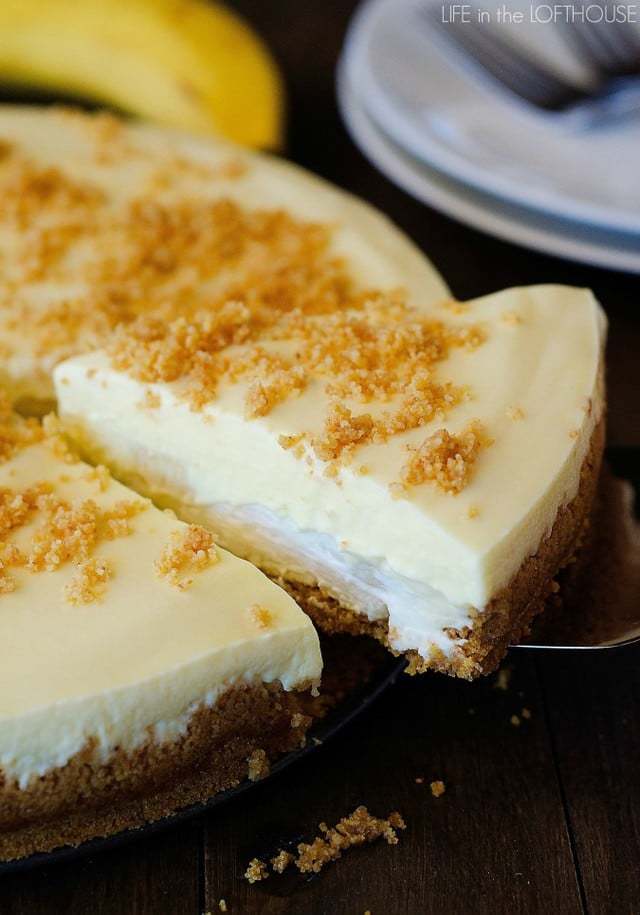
(182, 63)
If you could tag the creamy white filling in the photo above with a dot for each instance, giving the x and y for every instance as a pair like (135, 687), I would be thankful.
(417, 614)
(49, 738)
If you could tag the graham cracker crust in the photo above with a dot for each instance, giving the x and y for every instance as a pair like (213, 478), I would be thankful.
(84, 799)
(508, 617)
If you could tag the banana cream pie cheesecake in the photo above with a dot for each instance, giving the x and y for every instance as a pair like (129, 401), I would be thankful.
(278, 363)
(142, 668)
(101, 221)
(417, 472)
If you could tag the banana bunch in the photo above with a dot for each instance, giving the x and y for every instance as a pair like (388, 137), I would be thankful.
(183, 63)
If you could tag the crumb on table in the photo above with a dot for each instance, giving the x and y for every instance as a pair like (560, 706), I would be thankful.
(357, 828)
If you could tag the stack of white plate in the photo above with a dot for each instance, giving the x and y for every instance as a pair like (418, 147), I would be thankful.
(465, 146)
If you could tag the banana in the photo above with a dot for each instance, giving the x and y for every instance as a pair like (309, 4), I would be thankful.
(182, 63)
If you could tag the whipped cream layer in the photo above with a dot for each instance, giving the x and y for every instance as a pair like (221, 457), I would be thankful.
(103, 219)
(423, 558)
(134, 664)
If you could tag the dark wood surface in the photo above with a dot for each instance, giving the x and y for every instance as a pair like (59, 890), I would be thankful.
(544, 817)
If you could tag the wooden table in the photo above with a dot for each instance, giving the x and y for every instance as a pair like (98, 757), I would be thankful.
(544, 817)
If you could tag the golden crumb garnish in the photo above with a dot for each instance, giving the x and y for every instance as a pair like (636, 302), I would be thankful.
(261, 616)
(342, 431)
(511, 317)
(515, 413)
(515, 721)
(472, 512)
(258, 765)
(438, 788)
(89, 583)
(574, 433)
(64, 531)
(446, 460)
(256, 871)
(358, 828)
(15, 432)
(360, 346)
(290, 441)
(115, 521)
(191, 550)
(56, 439)
(274, 386)
(281, 861)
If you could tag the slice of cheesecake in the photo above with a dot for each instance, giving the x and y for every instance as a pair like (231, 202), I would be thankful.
(420, 473)
(101, 221)
(142, 668)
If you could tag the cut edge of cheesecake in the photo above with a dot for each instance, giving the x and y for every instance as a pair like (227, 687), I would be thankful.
(94, 398)
(130, 691)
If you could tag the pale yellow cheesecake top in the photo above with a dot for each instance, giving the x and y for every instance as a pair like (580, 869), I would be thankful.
(102, 220)
(116, 619)
(431, 448)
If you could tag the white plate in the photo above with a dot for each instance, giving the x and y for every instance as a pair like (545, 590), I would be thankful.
(478, 134)
(482, 211)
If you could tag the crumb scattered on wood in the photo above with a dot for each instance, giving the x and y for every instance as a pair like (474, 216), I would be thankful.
(438, 788)
(256, 871)
(281, 861)
(358, 828)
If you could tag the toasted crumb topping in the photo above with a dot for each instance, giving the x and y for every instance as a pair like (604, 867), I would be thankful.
(361, 348)
(261, 616)
(446, 460)
(258, 765)
(65, 532)
(208, 292)
(438, 788)
(90, 582)
(358, 828)
(515, 413)
(191, 550)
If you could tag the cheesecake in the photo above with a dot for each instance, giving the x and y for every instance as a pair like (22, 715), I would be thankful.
(419, 472)
(142, 667)
(274, 361)
(102, 220)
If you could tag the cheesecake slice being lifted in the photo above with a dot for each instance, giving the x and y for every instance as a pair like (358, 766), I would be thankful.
(419, 473)
(142, 668)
